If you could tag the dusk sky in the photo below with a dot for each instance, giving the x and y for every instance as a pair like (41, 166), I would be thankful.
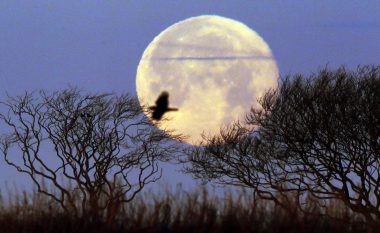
(97, 45)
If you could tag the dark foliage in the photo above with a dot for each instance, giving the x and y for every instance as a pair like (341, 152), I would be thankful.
(316, 136)
(97, 151)
(180, 212)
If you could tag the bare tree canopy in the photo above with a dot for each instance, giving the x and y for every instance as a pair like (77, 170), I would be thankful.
(101, 148)
(316, 136)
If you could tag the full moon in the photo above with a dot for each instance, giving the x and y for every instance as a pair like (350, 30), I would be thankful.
(214, 69)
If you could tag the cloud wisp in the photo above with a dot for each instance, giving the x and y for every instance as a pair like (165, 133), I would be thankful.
(211, 58)
(244, 55)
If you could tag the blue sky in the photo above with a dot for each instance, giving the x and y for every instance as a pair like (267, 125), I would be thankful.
(96, 45)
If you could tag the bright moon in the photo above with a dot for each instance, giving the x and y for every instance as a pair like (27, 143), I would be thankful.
(214, 69)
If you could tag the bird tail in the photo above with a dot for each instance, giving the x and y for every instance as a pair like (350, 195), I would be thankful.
(172, 109)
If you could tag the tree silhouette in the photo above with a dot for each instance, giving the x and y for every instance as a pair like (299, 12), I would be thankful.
(317, 136)
(98, 149)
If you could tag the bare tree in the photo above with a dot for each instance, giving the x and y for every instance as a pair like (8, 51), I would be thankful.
(316, 136)
(97, 151)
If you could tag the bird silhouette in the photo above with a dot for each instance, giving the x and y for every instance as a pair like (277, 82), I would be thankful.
(162, 106)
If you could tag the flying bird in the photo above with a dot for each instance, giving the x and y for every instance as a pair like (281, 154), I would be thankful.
(162, 106)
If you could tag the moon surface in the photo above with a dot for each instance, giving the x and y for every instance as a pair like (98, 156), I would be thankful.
(214, 68)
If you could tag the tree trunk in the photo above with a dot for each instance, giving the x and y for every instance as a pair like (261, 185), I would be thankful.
(112, 211)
